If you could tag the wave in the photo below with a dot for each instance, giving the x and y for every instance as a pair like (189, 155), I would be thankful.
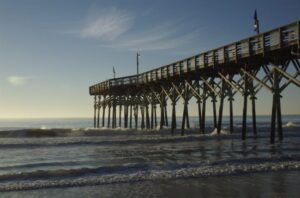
(290, 124)
(130, 140)
(140, 172)
(61, 173)
(45, 164)
(222, 132)
(78, 132)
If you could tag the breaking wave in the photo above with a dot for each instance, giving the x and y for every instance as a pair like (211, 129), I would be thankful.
(141, 172)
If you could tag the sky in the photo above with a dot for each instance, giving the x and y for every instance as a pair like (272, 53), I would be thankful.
(51, 51)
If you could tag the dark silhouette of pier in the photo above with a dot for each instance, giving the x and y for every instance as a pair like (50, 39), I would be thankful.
(216, 74)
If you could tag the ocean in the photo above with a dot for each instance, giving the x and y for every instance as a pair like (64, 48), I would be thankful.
(68, 158)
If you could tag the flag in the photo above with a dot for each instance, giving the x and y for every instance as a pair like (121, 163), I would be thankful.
(256, 22)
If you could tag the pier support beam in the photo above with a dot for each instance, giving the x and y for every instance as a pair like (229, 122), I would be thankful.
(244, 128)
(230, 99)
(98, 108)
(120, 116)
(103, 111)
(155, 117)
(173, 125)
(136, 114)
(253, 98)
(130, 117)
(276, 109)
(199, 108)
(147, 117)
(143, 116)
(114, 114)
(95, 109)
(108, 117)
(126, 114)
(221, 106)
(162, 111)
(185, 117)
(213, 100)
(152, 116)
(203, 108)
(166, 112)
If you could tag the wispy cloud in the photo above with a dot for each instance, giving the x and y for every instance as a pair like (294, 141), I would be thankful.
(108, 26)
(119, 29)
(157, 41)
(17, 80)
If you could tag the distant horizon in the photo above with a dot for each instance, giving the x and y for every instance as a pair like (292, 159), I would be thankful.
(92, 118)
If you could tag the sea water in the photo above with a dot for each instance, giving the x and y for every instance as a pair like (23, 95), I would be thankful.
(67, 158)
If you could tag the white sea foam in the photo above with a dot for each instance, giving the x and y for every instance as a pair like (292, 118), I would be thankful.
(290, 124)
(140, 175)
(222, 132)
(44, 127)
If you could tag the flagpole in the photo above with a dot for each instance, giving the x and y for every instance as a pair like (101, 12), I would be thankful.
(256, 22)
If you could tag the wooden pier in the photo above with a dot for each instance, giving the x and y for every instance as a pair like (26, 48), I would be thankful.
(217, 74)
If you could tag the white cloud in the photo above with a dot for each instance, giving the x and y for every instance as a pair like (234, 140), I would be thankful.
(17, 80)
(112, 27)
(108, 26)
(156, 42)
(160, 37)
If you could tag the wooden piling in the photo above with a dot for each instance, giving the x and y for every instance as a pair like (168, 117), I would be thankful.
(199, 108)
(230, 99)
(203, 108)
(152, 116)
(120, 116)
(221, 107)
(253, 98)
(155, 118)
(98, 108)
(183, 117)
(103, 112)
(108, 117)
(173, 125)
(95, 109)
(136, 115)
(147, 117)
(244, 128)
(214, 100)
(166, 113)
(162, 115)
(142, 115)
(130, 117)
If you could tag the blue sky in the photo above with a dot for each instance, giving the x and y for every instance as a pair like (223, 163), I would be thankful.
(51, 51)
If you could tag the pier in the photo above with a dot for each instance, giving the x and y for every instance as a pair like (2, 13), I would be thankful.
(217, 74)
